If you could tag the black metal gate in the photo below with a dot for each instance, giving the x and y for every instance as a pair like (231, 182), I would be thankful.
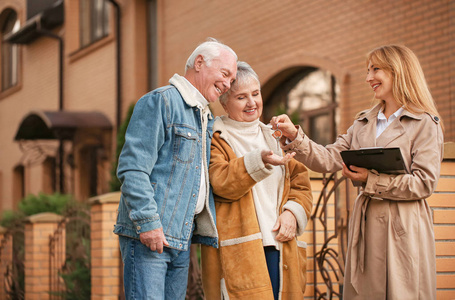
(330, 253)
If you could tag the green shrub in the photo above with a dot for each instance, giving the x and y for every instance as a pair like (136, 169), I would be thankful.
(54, 203)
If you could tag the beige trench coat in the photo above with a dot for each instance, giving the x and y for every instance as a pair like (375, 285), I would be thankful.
(391, 251)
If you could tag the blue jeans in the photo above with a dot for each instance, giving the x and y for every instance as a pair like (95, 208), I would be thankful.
(272, 257)
(149, 275)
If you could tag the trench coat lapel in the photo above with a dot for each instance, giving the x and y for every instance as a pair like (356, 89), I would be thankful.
(367, 134)
(391, 133)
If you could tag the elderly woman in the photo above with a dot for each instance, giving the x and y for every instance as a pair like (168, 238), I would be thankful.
(262, 202)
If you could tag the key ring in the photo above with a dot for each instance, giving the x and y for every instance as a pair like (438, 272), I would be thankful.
(277, 134)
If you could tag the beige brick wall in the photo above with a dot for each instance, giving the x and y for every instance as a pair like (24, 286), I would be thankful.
(335, 35)
(105, 252)
(442, 203)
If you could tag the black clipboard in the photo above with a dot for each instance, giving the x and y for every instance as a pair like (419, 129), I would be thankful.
(383, 160)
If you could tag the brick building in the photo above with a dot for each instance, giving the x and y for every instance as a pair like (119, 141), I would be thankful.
(71, 68)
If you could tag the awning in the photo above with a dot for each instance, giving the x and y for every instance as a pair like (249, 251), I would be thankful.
(49, 125)
(35, 27)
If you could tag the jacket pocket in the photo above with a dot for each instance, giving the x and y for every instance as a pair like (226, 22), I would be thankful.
(185, 144)
(244, 266)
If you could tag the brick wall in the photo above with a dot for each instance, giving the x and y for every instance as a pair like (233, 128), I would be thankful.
(105, 252)
(442, 203)
(274, 36)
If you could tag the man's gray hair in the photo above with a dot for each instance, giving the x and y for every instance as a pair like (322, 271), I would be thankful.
(245, 74)
(209, 50)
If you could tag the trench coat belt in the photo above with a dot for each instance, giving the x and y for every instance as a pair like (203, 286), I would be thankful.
(358, 241)
(358, 236)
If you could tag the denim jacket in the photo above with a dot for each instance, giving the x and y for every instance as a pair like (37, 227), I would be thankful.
(159, 168)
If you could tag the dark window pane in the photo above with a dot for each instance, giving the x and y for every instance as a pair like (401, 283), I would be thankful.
(9, 52)
(94, 21)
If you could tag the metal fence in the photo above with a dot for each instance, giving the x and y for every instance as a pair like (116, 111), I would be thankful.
(330, 219)
(69, 257)
(12, 245)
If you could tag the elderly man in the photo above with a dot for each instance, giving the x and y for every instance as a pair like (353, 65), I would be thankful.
(166, 201)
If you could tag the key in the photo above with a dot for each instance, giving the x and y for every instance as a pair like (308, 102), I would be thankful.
(277, 134)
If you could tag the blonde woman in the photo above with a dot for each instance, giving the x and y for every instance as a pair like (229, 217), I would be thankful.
(391, 251)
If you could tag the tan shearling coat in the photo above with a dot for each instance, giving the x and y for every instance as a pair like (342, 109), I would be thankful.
(391, 249)
(238, 269)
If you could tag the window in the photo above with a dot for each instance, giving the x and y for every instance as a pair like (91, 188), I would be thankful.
(9, 59)
(309, 98)
(312, 99)
(94, 21)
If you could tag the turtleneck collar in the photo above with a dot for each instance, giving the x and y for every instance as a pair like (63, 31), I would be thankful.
(252, 126)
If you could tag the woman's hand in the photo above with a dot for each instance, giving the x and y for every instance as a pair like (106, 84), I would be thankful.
(286, 225)
(268, 157)
(357, 173)
(286, 126)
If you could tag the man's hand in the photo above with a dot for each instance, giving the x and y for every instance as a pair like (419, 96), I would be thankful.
(155, 240)
(268, 157)
(287, 226)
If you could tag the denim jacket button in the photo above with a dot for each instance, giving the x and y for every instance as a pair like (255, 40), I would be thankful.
(189, 133)
(138, 227)
(194, 195)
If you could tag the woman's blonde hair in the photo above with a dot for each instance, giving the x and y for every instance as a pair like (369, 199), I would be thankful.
(409, 87)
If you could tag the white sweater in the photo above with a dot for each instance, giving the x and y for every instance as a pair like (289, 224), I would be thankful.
(249, 138)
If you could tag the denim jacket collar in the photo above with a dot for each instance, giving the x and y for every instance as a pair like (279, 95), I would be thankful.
(190, 94)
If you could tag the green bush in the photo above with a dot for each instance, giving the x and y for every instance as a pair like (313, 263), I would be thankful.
(54, 203)
(35, 204)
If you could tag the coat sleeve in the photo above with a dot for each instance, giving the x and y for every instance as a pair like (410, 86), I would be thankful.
(317, 157)
(426, 156)
(232, 177)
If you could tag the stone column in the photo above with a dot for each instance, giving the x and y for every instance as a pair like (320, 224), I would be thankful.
(38, 229)
(106, 262)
